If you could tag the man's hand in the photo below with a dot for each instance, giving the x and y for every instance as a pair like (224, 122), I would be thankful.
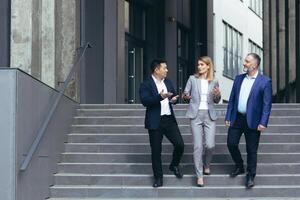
(227, 123)
(186, 96)
(261, 128)
(165, 94)
(174, 99)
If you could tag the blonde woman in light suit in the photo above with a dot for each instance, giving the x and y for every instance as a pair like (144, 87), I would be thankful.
(202, 90)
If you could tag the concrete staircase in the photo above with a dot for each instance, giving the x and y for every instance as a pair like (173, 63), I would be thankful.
(107, 155)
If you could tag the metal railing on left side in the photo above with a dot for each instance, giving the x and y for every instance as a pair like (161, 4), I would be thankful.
(43, 127)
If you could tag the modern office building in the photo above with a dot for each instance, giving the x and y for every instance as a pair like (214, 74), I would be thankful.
(45, 38)
(237, 31)
(282, 48)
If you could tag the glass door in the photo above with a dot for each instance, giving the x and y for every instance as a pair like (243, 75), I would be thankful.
(135, 42)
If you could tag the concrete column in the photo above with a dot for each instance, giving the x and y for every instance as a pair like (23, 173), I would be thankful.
(121, 53)
(110, 51)
(47, 45)
(297, 51)
(210, 28)
(274, 46)
(36, 65)
(21, 34)
(171, 39)
(266, 38)
(282, 47)
(67, 43)
(44, 38)
(292, 41)
(5, 33)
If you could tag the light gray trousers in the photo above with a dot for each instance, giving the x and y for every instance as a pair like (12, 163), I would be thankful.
(203, 131)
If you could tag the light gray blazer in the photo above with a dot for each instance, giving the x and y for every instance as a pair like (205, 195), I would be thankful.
(193, 88)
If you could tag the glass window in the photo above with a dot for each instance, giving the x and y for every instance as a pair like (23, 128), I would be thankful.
(254, 48)
(135, 20)
(232, 46)
(256, 6)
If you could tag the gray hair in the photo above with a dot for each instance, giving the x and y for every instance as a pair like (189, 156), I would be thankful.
(256, 57)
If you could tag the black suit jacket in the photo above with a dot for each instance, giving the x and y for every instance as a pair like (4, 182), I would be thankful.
(150, 98)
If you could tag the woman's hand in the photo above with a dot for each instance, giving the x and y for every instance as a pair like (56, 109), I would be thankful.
(186, 96)
(216, 91)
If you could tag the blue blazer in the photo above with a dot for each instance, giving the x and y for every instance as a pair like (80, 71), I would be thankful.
(150, 98)
(259, 102)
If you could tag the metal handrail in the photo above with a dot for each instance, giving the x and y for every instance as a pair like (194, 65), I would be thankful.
(44, 125)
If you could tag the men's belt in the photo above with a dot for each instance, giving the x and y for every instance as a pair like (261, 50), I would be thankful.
(242, 114)
(166, 116)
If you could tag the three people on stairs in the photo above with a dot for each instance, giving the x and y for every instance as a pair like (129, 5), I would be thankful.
(248, 112)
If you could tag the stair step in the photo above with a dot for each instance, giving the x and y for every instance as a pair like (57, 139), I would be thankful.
(282, 128)
(171, 180)
(174, 191)
(181, 106)
(107, 155)
(188, 168)
(168, 147)
(133, 120)
(144, 138)
(167, 157)
(178, 112)
(192, 198)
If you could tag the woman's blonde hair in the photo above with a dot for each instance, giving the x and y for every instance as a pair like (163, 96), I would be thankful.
(207, 60)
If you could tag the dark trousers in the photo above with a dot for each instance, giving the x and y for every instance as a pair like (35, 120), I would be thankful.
(252, 140)
(169, 128)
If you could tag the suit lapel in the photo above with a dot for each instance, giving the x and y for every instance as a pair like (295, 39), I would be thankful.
(153, 85)
(167, 85)
(210, 86)
(255, 84)
(239, 85)
(198, 84)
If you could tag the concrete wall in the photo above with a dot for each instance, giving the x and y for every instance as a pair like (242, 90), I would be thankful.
(7, 124)
(25, 103)
(238, 15)
(45, 39)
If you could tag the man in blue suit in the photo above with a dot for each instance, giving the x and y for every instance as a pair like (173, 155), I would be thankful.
(248, 112)
(157, 94)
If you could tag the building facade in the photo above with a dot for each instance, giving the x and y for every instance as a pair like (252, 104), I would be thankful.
(282, 48)
(45, 37)
(237, 31)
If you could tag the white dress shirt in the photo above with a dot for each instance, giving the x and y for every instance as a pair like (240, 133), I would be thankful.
(164, 104)
(245, 92)
(203, 96)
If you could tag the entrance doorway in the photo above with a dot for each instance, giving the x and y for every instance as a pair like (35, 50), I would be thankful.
(135, 42)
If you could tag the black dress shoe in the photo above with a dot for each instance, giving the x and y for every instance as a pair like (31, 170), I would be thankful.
(237, 171)
(249, 181)
(158, 182)
(176, 171)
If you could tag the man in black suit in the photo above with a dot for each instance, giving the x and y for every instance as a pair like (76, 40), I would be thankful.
(157, 94)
